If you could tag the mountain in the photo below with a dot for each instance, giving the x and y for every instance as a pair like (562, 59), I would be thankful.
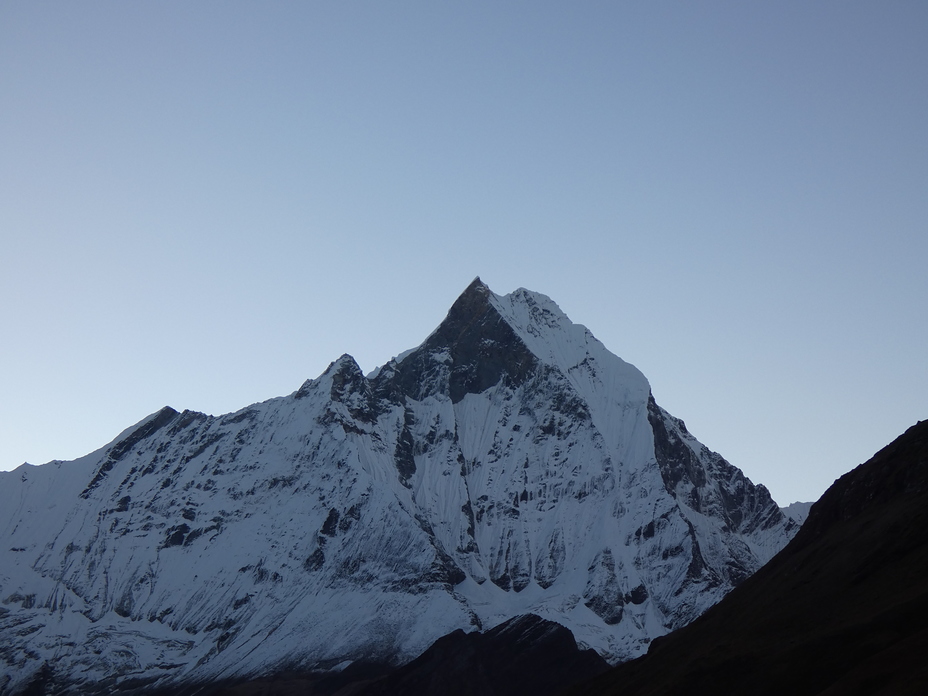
(508, 465)
(842, 610)
(797, 511)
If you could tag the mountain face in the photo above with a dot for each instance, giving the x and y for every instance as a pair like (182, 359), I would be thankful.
(508, 465)
(842, 610)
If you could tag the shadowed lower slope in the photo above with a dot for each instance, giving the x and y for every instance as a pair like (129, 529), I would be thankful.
(843, 609)
(526, 655)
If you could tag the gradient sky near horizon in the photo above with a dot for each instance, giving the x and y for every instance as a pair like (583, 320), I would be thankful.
(203, 204)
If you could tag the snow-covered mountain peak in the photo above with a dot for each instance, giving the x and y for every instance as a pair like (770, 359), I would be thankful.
(510, 464)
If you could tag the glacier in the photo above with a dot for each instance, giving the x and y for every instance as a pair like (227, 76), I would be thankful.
(510, 464)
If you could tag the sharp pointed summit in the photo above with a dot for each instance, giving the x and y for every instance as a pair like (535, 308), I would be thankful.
(470, 351)
(510, 464)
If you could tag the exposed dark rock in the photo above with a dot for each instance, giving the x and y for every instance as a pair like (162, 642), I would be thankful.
(175, 535)
(603, 595)
(121, 448)
(405, 447)
(161, 419)
(722, 490)
(331, 523)
(472, 350)
(676, 461)
(349, 386)
(315, 560)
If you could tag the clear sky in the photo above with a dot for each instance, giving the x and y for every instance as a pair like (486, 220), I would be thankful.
(203, 204)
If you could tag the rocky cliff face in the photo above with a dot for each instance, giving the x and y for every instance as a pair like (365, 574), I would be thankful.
(508, 465)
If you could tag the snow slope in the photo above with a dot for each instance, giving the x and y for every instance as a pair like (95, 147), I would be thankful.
(508, 465)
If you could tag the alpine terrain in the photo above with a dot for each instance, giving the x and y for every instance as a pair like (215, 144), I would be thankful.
(509, 465)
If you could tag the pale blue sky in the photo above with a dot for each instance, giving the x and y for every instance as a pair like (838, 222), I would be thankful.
(203, 204)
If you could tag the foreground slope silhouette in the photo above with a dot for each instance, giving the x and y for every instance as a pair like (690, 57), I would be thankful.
(842, 610)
